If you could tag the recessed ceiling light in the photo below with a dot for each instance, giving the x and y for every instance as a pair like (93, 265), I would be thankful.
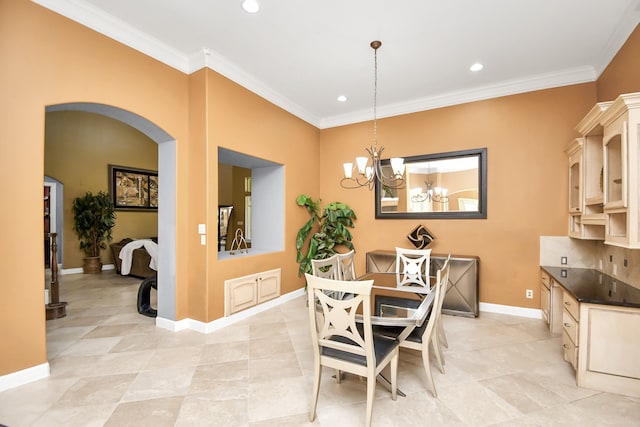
(250, 6)
(476, 67)
(342, 98)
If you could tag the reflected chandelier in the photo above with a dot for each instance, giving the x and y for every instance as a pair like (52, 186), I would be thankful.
(369, 169)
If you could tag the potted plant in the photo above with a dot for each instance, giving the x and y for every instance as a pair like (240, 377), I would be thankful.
(332, 225)
(93, 219)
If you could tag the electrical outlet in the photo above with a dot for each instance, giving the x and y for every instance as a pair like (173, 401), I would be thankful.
(529, 293)
(625, 263)
(563, 260)
(615, 269)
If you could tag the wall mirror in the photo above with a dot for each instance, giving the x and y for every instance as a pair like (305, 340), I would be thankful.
(443, 185)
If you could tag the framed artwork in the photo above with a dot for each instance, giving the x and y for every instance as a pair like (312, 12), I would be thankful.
(133, 189)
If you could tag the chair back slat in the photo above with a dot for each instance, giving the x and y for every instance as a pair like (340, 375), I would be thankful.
(412, 266)
(327, 268)
(346, 265)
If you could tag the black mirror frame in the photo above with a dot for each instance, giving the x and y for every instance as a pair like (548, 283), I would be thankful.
(482, 188)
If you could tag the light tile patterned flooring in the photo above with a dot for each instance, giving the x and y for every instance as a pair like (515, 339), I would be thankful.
(111, 366)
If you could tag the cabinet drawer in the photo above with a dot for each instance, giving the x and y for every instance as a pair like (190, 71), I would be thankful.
(570, 326)
(545, 279)
(571, 305)
(569, 350)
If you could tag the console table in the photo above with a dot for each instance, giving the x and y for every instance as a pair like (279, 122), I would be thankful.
(462, 297)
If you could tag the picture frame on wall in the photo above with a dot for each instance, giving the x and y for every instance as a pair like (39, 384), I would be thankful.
(133, 189)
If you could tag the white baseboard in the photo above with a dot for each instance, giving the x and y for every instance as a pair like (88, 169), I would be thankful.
(533, 313)
(65, 271)
(24, 376)
(206, 328)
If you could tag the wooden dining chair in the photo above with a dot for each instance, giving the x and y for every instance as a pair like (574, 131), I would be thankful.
(423, 337)
(327, 268)
(412, 266)
(341, 343)
(442, 336)
(346, 266)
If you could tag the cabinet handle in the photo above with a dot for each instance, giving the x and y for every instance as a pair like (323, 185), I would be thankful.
(568, 325)
(565, 346)
(567, 303)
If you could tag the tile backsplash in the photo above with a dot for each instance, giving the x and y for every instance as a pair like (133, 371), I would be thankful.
(591, 254)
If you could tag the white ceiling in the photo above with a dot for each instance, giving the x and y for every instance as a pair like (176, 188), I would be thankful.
(302, 54)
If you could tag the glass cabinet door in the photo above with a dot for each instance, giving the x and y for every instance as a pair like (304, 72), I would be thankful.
(615, 172)
(575, 179)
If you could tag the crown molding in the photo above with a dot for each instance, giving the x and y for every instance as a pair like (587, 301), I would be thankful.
(94, 18)
(508, 87)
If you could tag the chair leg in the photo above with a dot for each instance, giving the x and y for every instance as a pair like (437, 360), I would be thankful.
(394, 376)
(427, 369)
(441, 333)
(316, 391)
(437, 351)
(371, 391)
(338, 376)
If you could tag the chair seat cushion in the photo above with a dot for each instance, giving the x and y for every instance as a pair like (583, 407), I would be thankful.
(382, 346)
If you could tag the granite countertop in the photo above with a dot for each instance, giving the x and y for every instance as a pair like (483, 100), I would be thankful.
(593, 287)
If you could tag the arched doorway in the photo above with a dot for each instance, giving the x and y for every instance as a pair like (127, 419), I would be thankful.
(166, 198)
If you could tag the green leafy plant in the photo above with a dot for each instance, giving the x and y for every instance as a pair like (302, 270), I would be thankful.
(93, 219)
(332, 225)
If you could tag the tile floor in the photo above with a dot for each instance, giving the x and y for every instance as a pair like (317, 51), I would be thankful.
(111, 366)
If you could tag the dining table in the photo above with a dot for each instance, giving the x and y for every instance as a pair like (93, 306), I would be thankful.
(388, 284)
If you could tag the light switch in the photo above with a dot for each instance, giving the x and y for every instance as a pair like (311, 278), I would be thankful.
(202, 229)
(203, 240)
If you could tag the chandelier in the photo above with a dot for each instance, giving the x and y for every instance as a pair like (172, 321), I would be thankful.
(437, 194)
(369, 169)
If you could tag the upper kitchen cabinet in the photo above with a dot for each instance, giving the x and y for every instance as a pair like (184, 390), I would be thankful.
(586, 214)
(621, 181)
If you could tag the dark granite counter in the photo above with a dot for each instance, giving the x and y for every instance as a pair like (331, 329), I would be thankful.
(593, 287)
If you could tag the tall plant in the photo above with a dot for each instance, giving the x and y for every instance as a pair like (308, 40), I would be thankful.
(93, 219)
(325, 230)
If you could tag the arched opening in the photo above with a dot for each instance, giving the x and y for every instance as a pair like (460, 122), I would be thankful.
(166, 198)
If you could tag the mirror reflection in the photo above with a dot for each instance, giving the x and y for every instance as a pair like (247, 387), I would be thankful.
(443, 185)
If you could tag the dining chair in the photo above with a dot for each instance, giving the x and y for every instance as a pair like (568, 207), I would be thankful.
(424, 336)
(327, 268)
(342, 343)
(346, 266)
(442, 336)
(412, 266)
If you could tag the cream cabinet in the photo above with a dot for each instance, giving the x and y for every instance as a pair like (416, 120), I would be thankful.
(551, 302)
(609, 349)
(621, 181)
(247, 291)
(570, 327)
(586, 214)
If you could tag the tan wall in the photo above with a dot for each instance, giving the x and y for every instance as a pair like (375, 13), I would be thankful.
(621, 75)
(58, 61)
(201, 111)
(527, 197)
(79, 146)
(239, 120)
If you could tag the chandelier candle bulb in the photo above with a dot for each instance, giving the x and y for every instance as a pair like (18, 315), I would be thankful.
(348, 169)
(362, 164)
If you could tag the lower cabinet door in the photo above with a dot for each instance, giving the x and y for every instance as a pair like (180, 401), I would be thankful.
(240, 293)
(268, 285)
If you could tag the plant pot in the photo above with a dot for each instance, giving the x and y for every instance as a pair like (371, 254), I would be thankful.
(92, 265)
